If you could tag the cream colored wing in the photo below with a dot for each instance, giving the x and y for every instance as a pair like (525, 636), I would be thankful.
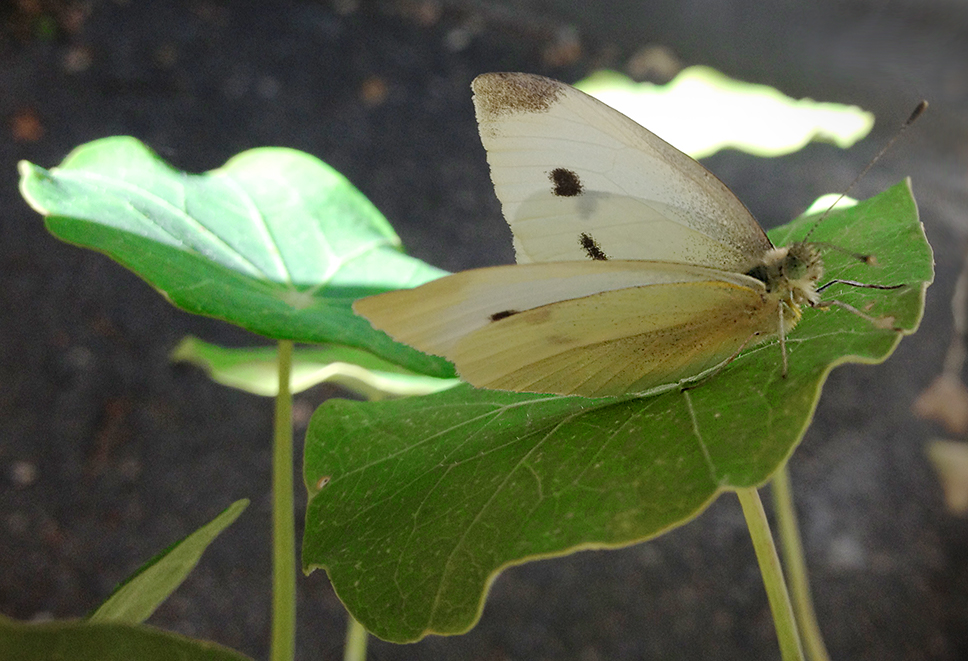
(592, 328)
(579, 180)
(617, 342)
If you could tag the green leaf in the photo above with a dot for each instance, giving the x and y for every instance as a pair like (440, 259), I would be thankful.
(255, 370)
(105, 641)
(702, 111)
(275, 241)
(138, 597)
(415, 505)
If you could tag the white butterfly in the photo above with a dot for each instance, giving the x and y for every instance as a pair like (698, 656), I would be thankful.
(636, 267)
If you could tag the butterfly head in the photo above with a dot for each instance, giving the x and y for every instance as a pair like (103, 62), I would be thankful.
(790, 274)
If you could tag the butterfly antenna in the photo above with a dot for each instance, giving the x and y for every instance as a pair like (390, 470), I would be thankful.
(918, 111)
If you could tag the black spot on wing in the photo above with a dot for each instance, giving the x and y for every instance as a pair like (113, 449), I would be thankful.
(591, 247)
(503, 314)
(566, 183)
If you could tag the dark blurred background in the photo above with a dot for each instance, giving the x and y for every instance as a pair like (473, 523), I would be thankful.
(108, 453)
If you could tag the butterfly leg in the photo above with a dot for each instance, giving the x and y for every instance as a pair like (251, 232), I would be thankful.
(854, 283)
(886, 323)
(883, 322)
(781, 328)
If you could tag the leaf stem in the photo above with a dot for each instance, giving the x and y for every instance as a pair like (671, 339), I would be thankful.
(283, 518)
(355, 648)
(776, 591)
(792, 549)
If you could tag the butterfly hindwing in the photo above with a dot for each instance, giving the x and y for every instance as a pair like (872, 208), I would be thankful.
(595, 328)
(615, 342)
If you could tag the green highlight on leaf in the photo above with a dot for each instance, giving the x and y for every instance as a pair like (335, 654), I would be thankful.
(138, 597)
(105, 641)
(415, 505)
(274, 241)
(702, 111)
(255, 370)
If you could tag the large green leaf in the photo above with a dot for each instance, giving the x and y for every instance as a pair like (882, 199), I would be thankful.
(415, 505)
(105, 641)
(275, 241)
(137, 598)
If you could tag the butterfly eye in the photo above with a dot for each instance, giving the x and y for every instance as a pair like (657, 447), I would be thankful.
(802, 262)
(793, 267)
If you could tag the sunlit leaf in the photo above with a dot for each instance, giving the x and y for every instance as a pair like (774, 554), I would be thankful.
(702, 111)
(256, 370)
(275, 240)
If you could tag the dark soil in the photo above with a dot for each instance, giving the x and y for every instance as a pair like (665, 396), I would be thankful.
(108, 453)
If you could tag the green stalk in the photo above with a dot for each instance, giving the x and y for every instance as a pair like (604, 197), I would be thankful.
(776, 591)
(792, 549)
(355, 649)
(283, 519)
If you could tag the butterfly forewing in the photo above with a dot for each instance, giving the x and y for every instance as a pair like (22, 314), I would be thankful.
(566, 165)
